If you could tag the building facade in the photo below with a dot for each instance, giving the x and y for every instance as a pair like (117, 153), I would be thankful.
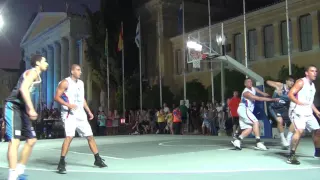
(159, 23)
(60, 37)
(267, 42)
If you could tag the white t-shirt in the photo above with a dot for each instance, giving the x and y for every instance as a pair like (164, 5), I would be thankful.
(247, 103)
(305, 95)
(74, 95)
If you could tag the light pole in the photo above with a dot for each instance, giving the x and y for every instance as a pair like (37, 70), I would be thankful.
(221, 39)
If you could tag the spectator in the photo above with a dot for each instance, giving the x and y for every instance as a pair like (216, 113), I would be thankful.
(176, 126)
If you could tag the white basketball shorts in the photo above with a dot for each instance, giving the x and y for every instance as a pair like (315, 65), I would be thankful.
(246, 118)
(73, 123)
(308, 122)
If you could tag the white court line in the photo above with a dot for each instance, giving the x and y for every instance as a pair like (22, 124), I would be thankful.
(188, 145)
(177, 172)
(108, 157)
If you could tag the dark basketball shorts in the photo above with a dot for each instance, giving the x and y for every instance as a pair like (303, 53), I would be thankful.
(17, 122)
(279, 112)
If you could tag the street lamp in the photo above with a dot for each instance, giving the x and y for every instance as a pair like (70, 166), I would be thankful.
(221, 40)
(1, 22)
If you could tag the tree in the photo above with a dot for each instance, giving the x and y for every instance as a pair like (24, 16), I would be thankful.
(151, 97)
(297, 72)
(107, 18)
(196, 91)
(234, 81)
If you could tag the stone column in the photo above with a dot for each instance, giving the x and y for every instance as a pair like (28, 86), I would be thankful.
(72, 51)
(57, 64)
(260, 43)
(295, 35)
(64, 59)
(50, 77)
(44, 75)
(277, 39)
(57, 69)
(315, 29)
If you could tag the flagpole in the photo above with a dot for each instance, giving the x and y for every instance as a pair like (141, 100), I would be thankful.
(123, 83)
(210, 45)
(159, 51)
(245, 34)
(288, 39)
(184, 56)
(108, 73)
(140, 65)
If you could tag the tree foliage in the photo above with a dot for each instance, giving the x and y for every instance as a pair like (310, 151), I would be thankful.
(297, 72)
(107, 18)
(151, 96)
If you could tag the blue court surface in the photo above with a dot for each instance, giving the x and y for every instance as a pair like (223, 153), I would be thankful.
(154, 157)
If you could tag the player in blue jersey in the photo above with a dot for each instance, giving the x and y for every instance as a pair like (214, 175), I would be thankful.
(279, 110)
(18, 111)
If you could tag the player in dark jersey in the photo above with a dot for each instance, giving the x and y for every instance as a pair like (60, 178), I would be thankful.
(18, 111)
(279, 110)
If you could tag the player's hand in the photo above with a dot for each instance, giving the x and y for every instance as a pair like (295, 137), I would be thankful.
(90, 116)
(33, 115)
(318, 114)
(72, 107)
(276, 99)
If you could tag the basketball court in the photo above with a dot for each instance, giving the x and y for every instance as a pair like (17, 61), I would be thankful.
(168, 157)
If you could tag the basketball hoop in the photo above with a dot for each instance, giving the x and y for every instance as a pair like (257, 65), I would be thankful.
(195, 58)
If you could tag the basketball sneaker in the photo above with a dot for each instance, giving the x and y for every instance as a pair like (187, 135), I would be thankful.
(100, 162)
(292, 159)
(62, 167)
(261, 146)
(22, 177)
(237, 144)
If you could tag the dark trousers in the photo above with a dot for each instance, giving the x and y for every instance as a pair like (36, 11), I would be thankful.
(176, 126)
(162, 126)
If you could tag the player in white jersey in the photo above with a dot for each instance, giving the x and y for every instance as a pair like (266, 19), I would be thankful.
(247, 120)
(301, 112)
(70, 94)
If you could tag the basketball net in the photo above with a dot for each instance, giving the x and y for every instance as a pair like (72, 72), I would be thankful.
(195, 57)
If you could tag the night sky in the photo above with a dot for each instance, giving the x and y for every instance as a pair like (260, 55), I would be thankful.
(17, 13)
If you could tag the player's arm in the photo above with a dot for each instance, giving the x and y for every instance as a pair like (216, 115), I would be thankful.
(315, 110)
(294, 90)
(262, 93)
(28, 79)
(86, 107)
(250, 96)
(274, 84)
(62, 87)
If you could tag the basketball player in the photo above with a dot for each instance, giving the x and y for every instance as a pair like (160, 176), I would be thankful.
(70, 94)
(247, 120)
(279, 110)
(18, 112)
(301, 112)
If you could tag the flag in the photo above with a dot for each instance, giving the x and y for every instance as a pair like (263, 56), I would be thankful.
(120, 42)
(106, 44)
(137, 38)
(180, 19)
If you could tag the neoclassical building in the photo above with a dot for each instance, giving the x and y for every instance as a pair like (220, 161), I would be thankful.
(267, 42)
(60, 37)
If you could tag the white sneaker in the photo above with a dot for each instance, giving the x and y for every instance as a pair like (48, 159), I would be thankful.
(260, 146)
(285, 144)
(237, 144)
